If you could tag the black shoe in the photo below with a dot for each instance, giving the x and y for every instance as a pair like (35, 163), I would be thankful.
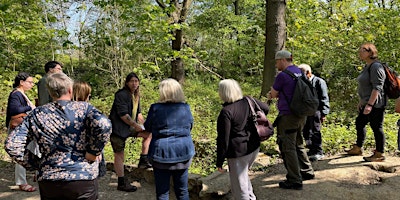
(293, 186)
(127, 188)
(144, 163)
(307, 176)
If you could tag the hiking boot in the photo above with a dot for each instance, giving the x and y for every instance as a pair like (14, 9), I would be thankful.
(306, 176)
(288, 185)
(355, 151)
(316, 157)
(124, 185)
(144, 162)
(376, 157)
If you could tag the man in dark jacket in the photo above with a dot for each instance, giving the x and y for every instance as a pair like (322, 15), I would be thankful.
(126, 118)
(312, 128)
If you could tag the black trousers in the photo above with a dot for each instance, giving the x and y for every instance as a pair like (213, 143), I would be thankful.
(375, 119)
(312, 133)
(68, 190)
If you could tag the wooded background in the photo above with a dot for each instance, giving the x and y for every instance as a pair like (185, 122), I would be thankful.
(198, 42)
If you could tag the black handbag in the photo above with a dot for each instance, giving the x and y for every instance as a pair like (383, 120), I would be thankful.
(263, 125)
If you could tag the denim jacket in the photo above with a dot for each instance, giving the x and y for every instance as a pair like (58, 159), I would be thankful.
(170, 125)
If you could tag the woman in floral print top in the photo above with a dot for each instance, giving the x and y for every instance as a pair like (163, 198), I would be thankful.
(70, 136)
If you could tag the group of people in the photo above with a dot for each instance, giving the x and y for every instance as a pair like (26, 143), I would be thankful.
(238, 140)
(63, 138)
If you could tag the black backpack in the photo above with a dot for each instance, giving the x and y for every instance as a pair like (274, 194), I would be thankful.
(305, 98)
(392, 82)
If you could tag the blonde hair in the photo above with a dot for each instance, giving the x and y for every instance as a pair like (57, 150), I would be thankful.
(81, 91)
(229, 91)
(58, 84)
(170, 91)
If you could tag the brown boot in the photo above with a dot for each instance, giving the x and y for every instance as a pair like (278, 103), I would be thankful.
(377, 157)
(355, 151)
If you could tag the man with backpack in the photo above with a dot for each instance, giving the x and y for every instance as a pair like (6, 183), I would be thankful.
(312, 128)
(289, 126)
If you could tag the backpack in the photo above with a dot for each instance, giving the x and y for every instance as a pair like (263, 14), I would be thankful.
(392, 82)
(305, 100)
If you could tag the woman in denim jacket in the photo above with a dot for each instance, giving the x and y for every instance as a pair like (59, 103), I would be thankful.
(171, 149)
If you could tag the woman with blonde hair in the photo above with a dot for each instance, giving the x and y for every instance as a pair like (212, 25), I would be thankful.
(237, 139)
(171, 149)
(81, 91)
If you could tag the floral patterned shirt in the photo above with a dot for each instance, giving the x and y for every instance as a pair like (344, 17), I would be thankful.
(64, 131)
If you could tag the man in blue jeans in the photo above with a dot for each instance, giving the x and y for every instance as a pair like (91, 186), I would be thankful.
(289, 126)
(312, 128)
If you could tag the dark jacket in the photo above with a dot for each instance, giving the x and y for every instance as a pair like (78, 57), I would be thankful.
(122, 105)
(322, 91)
(170, 125)
(237, 136)
(16, 105)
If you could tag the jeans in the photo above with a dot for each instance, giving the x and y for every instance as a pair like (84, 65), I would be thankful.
(162, 179)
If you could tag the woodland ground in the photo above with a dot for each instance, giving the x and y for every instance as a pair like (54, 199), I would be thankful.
(337, 177)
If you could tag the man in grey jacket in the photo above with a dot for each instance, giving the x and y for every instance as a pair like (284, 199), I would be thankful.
(50, 68)
(312, 128)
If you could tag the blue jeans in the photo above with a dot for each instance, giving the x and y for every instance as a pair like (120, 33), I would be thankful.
(162, 179)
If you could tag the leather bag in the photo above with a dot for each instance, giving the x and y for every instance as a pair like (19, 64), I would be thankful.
(17, 120)
(263, 125)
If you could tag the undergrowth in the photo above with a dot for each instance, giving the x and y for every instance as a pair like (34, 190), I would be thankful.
(338, 131)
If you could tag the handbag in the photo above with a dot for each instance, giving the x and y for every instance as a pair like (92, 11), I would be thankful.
(17, 120)
(263, 125)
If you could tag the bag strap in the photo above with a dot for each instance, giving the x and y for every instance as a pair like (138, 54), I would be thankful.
(251, 106)
(291, 74)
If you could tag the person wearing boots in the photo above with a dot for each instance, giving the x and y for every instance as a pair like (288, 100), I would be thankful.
(290, 138)
(126, 119)
(312, 128)
(372, 102)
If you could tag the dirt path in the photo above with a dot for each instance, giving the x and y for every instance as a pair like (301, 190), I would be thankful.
(336, 178)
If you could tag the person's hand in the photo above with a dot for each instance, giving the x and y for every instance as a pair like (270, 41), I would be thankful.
(367, 109)
(323, 118)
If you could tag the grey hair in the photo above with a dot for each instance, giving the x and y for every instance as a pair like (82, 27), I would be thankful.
(229, 91)
(58, 84)
(171, 91)
(305, 68)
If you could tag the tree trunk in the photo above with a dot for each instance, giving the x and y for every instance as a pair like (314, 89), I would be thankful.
(178, 16)
(275, 40)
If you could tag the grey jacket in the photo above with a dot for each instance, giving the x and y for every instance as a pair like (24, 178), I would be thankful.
(372, 77)
(322, 91)
(43, 93)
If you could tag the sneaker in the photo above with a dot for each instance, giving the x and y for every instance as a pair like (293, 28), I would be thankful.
(306, 176)
(144, 163)
(316, 157)
(288, 185)
(376, 157)
(355, 151)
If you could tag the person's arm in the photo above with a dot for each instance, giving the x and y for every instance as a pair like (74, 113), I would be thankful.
(99, 131)
(324, 100)
(15, 104)
(223, 129)
(122, 105)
